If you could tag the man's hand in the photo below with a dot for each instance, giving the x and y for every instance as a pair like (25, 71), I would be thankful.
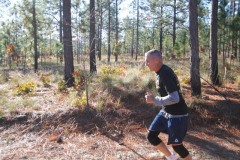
(149, 97)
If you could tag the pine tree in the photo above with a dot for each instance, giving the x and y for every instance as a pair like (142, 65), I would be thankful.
(193, 26)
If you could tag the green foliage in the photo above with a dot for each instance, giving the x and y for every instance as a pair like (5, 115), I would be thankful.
(182, 43)
(151, 84)
(101, 100)
(25, 88)
(107, 82)
(167, 55)
(186, 80)
(58, 47)
(79, 101)
(177, 50)
(167, 44)
(117, 49)
(109, 71)
(147, 48)
(62, 87)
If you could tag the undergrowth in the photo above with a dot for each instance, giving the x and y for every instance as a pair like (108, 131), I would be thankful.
(113, 87)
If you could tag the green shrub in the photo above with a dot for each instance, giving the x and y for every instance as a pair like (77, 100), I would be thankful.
(107, 82)
(100, 105)
(62, 87)
(186, 80)
(108, 71)
(25, 88)
(116, 49)
(79, 101)
(151, 84)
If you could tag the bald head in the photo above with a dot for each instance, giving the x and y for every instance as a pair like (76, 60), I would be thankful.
(153, 59)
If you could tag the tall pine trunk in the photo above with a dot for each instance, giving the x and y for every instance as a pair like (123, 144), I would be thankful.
(60, 29)
(174, 22)
(92, 37)
(78, 39)
(137, 49)
(109, 31)
(213, 44)
(233, 55)
(100, 24)
(132, 43)
(67, 41)
(161, 30)
(223, 47)
(34, 24)
(60, 22)
(193, 25)
(116, 35)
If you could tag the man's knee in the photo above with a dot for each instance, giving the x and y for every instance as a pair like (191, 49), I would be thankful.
(153, 138)
(181, 150)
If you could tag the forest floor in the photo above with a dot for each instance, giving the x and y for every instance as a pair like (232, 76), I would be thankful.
(54, 130)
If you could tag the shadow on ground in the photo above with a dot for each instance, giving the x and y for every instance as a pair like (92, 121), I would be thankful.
(114, 122)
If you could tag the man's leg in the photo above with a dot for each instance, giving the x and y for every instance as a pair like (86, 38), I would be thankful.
(163, 148)
(159, 124)
(157, 142)
(181, 151)
(177, 132)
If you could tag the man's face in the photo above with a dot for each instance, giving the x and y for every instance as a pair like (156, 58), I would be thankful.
(152, 62)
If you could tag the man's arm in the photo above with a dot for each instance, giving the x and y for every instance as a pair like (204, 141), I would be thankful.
(172, 98)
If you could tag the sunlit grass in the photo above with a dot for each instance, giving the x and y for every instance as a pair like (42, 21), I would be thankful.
(3, 92)
(238, 81)
(3, 77)
(16, 104)
(127, 75)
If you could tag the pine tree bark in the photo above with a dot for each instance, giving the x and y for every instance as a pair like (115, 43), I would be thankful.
(67, 41)
(161, 30)
(116, 34)
(34, 24)
(213, 44)
(174, 21)
(92, 37)
(132, 44)
(99, 44)
(137, 49)
(193, 25)
(109, 31)
(60, 22)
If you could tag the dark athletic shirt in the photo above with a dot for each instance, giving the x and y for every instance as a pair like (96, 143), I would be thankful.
(167, 82)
